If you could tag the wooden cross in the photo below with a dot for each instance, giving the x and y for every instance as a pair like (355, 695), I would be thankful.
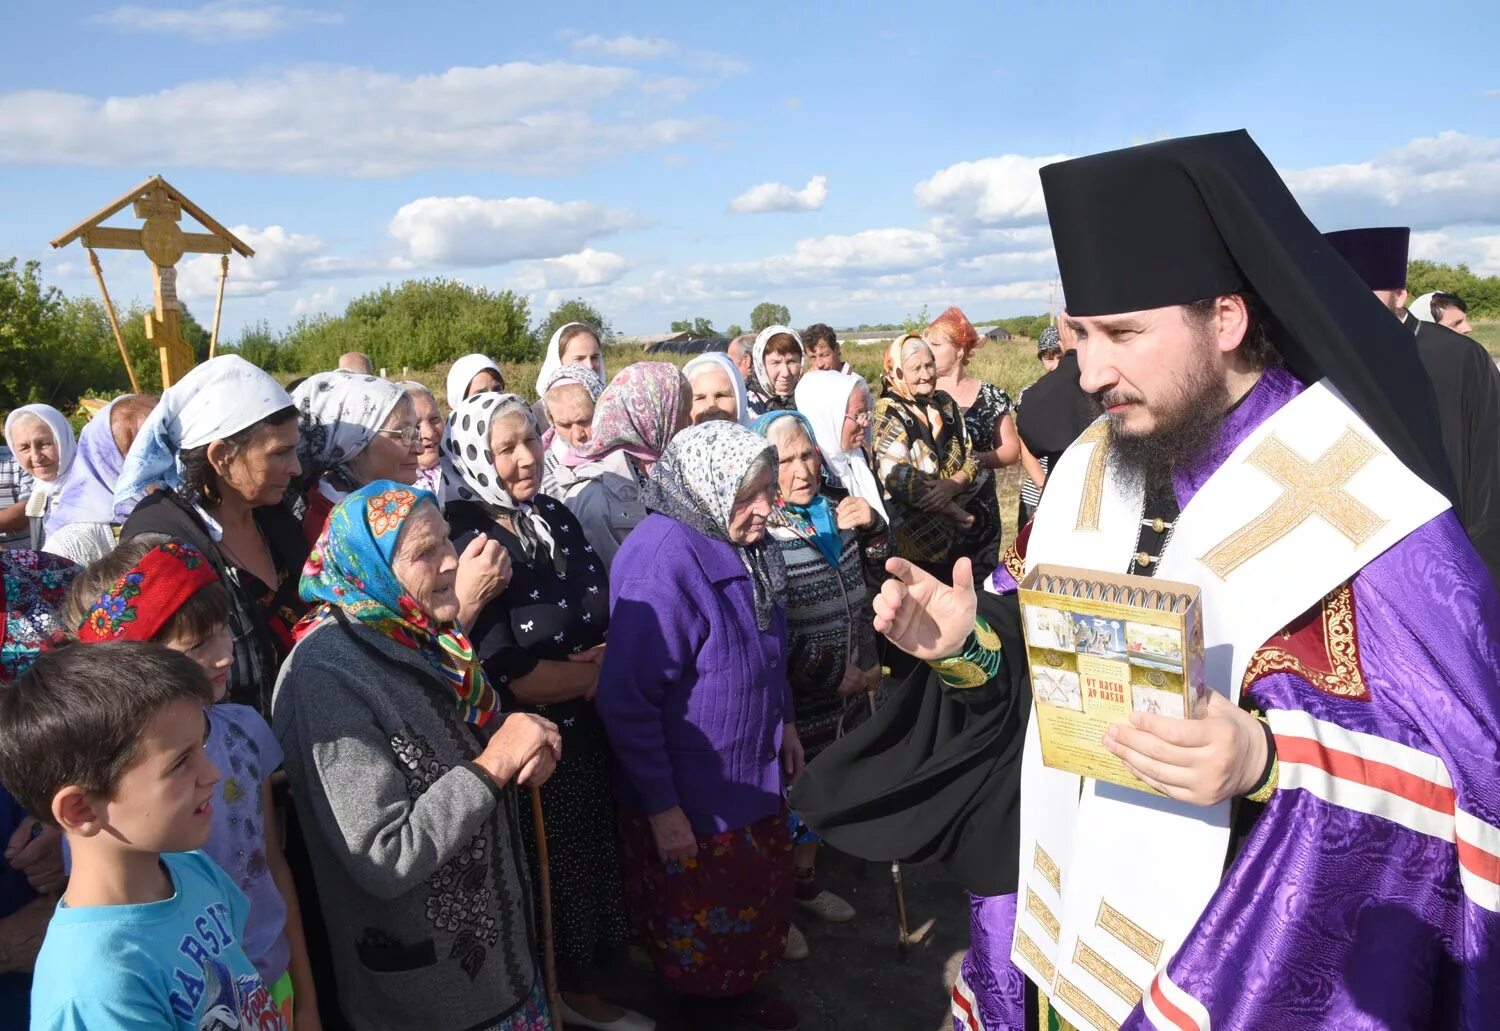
(1315, 488)
(161, 206)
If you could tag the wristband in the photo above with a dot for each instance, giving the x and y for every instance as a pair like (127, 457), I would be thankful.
(977, 664)
(1266, 786)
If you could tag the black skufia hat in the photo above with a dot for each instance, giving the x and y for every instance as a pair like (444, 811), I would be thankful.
(1182, 220)
(1378, 256)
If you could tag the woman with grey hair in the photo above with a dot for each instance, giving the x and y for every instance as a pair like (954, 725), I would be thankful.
(430, 425)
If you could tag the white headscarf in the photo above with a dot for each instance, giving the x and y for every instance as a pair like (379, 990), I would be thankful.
(463, 372)
(214, 400)
(1422, 307)
(823, 396)
(758, 355)
(337, 416)
(721, 361)
(469, 465)
(553, 359)
(62, 432)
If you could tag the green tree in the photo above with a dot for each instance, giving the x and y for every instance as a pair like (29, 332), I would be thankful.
(1480, 293)
(575, 310)
(698, 327)
(916, 323)
(768, 314)
(733, 331)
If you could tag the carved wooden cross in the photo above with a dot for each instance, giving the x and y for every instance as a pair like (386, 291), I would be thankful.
(161, 205)
(1309, 489)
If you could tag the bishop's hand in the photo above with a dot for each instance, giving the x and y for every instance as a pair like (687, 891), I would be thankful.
(923, 616)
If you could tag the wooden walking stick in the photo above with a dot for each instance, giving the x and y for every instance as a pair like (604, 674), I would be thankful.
(549, 951)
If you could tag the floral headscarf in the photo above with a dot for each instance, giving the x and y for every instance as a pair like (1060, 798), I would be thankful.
(338, 414)
(350, 569)
(696, 482)
(35, 585)
(148, 595)
(817, 517)
(469, 466)
(758, 357)
(894, 382)
(636, 414)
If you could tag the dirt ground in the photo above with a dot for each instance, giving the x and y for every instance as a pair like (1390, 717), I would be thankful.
(856, 976)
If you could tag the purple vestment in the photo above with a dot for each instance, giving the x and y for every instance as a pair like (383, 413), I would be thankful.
(1367, 893)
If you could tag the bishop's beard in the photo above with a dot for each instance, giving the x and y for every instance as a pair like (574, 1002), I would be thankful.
(1187, 424)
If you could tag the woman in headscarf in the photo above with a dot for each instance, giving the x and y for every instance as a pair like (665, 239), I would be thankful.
(430, 426)
(85, 519)
(831, 655)
(541, 643)
(42, 440)
(634, 419)
(695, 698)
(572, 343)
(355, 429)
(567, 398)
(472, 374)
(403, 768)
(837, 406)
(923, 458)
(988, 419)
(217, 455)
(776, 358)
(718, 390)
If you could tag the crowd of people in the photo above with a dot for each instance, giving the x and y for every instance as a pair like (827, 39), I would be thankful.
(329, 710)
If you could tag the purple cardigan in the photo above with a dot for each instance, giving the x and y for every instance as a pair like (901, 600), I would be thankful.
(692, 693)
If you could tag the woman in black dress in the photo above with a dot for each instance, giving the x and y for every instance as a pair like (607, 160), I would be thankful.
(541, 643)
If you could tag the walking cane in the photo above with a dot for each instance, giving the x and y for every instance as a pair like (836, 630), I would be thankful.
(906, 938)
(549, 951)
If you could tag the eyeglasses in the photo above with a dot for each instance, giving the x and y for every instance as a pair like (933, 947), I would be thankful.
(862, 419)
(408, 435)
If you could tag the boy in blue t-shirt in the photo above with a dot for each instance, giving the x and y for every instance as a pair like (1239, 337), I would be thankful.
(106, 741)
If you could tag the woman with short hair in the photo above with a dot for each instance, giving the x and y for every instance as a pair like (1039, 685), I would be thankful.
(777, 360)
(217, 456)
(42, 440)
(695, 698)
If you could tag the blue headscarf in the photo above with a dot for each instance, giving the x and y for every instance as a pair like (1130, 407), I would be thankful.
(350, 568)
(818, 515)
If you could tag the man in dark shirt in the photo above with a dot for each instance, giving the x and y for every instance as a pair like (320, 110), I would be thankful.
(1057, 409)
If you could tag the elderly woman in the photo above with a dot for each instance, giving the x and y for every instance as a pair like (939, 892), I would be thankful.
(472, 374)
(541, 643)
(777, 362)
(42, 441)
(837, 406)
(923, 459)
(832, 658)
(636, 416)
(718, 389)
(695, 698)
(86, 519)
(990, 424)
(354, 429)
(217, 455)
(404, 769)
(430, 426)
(567, 398)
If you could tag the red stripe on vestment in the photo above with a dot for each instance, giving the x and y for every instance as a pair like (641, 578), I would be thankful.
(1168, 1009)
(1369, 772)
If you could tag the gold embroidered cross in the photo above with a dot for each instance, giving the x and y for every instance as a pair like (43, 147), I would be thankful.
(1309, 489)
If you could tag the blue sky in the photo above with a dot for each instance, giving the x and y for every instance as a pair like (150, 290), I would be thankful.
(664, 161)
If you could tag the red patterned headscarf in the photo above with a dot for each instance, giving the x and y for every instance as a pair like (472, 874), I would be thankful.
(957, 329)
(145, 599)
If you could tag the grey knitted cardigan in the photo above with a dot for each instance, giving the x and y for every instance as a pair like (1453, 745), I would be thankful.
(417, 856)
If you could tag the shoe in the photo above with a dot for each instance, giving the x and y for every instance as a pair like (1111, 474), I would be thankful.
(764, 1013)
(796, 944)
(627, 1021)
(828, 906)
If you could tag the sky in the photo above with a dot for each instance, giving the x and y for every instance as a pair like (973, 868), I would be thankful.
(667, 161)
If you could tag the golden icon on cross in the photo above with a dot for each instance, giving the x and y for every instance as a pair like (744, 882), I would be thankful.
(1316, 488)
(161, 206)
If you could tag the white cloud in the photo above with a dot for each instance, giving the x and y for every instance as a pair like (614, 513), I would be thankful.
(1480, 253)
(587, 268)
(319, 301)
(219, 21)
(1449, 179)
(780, 197)
(718, 64)
(519, 117)
(818, 259)
(282, 260)
(475, 231)
(996, 191)
(625, 47)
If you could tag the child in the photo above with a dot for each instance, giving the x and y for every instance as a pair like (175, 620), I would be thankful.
(107, 743)
(153, 588)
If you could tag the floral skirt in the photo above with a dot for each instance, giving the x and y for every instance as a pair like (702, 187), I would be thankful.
(532, 1014)
(716, 924)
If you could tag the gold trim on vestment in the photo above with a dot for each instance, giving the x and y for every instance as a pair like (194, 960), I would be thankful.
(1092, 500)
(1344, 678)
(1129, 933)
(1044, 865)
(1107, 974)
(1038, 909)
(1073, 996)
